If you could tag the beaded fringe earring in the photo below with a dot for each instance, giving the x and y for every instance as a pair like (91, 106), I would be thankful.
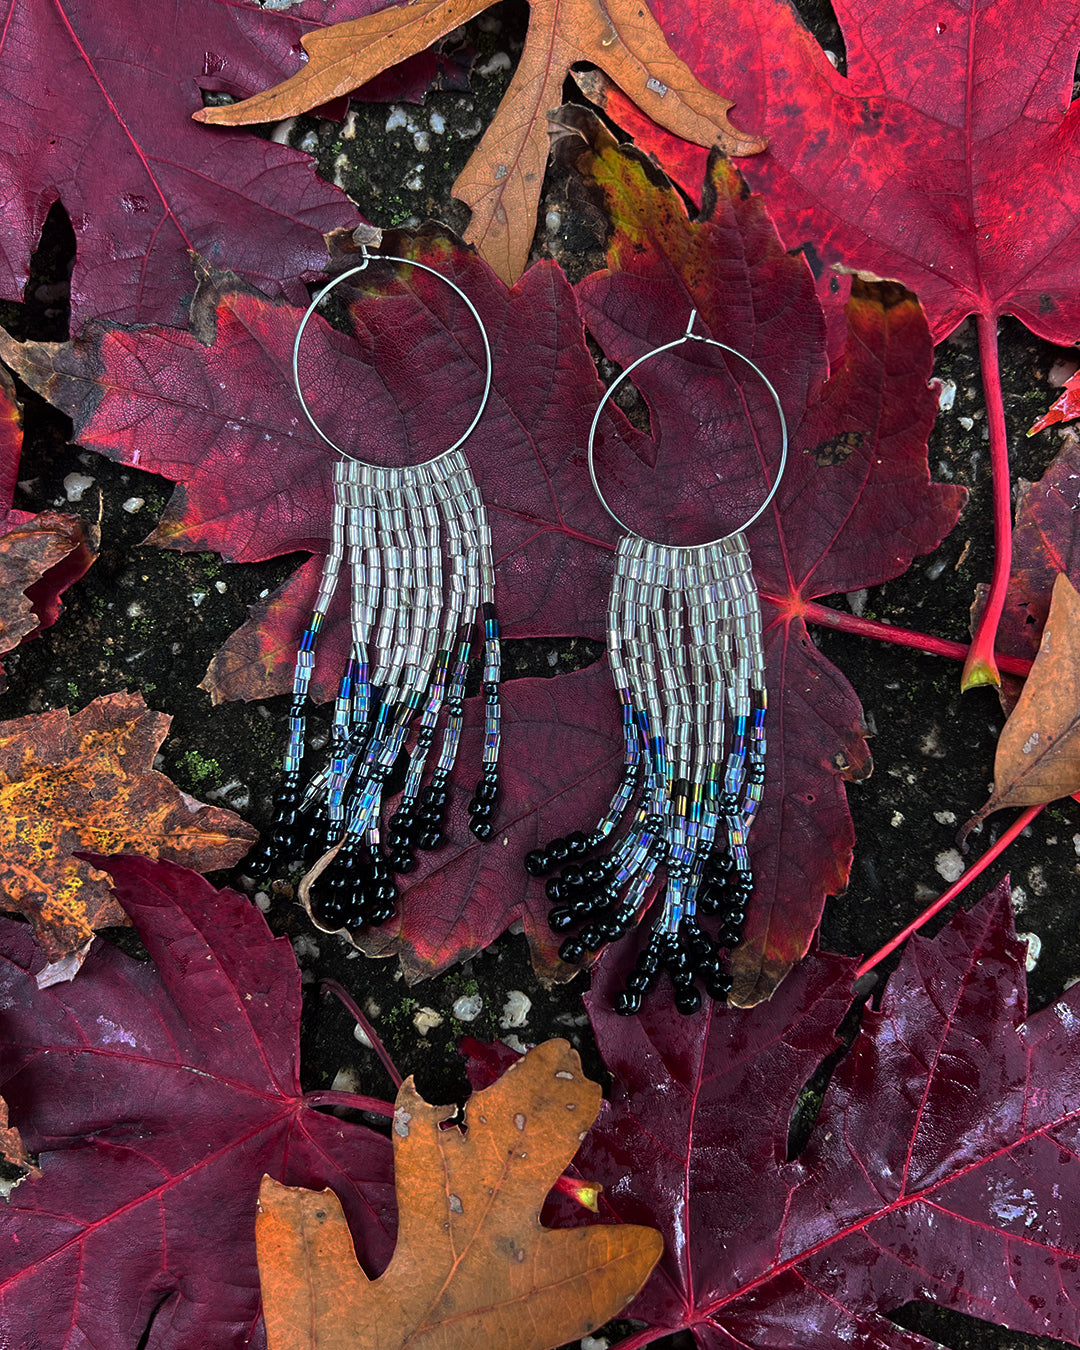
(417, 547)
(684, 645)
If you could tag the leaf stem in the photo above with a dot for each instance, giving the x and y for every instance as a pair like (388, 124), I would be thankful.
(980, 666)
(328, 1097)
(1020, 823)
(825, 617)
(343, 995)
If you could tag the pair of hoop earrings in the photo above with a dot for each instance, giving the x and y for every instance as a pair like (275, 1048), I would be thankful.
(685, 648)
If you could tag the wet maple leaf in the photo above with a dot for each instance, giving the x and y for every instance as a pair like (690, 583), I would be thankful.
(156, 1096)
(940, 1167)
(40, 556)
(104, 98)
(87, 782)
(907, 167)
(504, 175)
(472, 1262)
(855, 506)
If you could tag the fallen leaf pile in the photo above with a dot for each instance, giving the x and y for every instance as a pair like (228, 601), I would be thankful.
(502, 179)
(472, 1261)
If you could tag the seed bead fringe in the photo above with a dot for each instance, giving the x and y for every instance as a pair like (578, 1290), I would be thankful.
(685, 649)
(417, 549)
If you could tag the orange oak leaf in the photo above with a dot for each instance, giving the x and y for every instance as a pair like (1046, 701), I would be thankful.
(87, 782)
(12, 1149)
(472, 1265)
(502, 180)
(1038, 752)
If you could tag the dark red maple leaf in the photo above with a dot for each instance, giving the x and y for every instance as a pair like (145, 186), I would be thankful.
(909, 166)
(855, 506)
(157, 1096)
(40, 556)
(102, 98)
(940, 1168)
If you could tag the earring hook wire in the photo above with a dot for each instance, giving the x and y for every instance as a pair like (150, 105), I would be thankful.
(690, 336)
(353, 271)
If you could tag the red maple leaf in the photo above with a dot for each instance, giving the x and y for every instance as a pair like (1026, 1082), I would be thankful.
(940, 1168)
(157, 1096)
(104, 97)
(908, 166)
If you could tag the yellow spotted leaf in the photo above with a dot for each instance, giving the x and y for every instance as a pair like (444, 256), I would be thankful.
(502, 180)
(472, 1265)
(86, 782)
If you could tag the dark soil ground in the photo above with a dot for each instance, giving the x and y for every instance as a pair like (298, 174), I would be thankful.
(151, 620)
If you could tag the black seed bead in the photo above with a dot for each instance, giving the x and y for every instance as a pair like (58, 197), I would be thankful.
(592, 938)
(719, 988)
(677, 962)
(433, 796)
(577, 844)
(594, 874)
(711, 967)
(404, 863)
(491, 773)
(728, 935)
(487, 790)
(707, 901)
(429, 839)
(557, 851)
(624, 916)
(483, 829)
(687, 1001)
(584, 905)
(555, 889)
(380, 914)
(627, 1003)
(573, 878)
(536, 863)
(398, 840)
(572, 951)
(654, 823)
(640, 982)
(559, 920)
(611, 929)
(481, 810)
(682, 979)
(649, 962)
(727, 804)
(426, 738)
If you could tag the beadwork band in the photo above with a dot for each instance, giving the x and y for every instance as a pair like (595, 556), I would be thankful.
(417, 548)
(685, 650)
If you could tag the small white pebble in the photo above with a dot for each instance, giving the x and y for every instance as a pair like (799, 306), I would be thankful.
(304, 945)
(413, 183)
(1062, 371)
(553, 658)
(1076, 844)
(398, 118)
(496, 61)
(1037, 880)
(949, 865)
(966, 422)
(197, 597)
(552, 222)
(1019, 899)
(945, 817)
(75, 484)
(516, 1010)
(309, 143)
(857, 601)
(897, 819)
(1034, 949)
(348, 129)
(135, 610)
(594, 1343)
(133, 504)
(946, 394)
(437, 122)
(426, 1019)
(467, 1008)
(346, 1080)
(283, 131)
(422, 141)
(262, 900)
(362, 1036)
(220, 587)
(832, 57)
(516, 1043)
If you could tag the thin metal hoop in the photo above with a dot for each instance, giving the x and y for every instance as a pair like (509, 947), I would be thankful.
(321, 296)
(689, 336)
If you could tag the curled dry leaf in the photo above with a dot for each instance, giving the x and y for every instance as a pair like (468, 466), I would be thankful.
(12, 1149)
(502, 179)
(472, 1265)
(1038, 752)
(87, 782)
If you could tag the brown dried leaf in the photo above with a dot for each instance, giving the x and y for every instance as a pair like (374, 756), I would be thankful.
(502, 180)
(472, 1265)
(87, 782)
(12, 1149)
(1038, 752)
